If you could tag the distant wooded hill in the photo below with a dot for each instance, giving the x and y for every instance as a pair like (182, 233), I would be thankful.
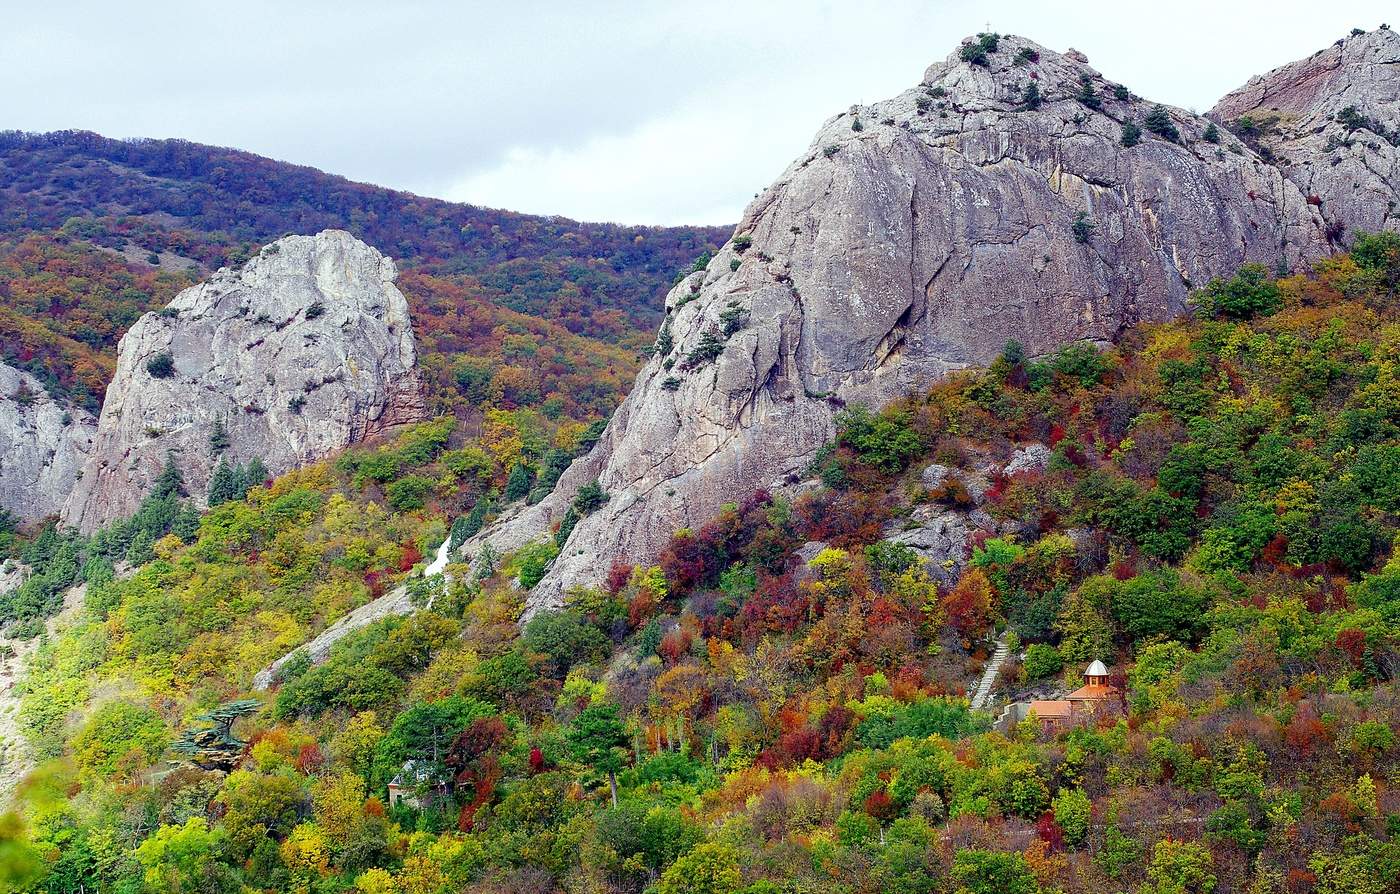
(94, 231)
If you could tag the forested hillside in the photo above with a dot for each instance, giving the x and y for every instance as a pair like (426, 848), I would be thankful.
(94, 231)
(779, 704)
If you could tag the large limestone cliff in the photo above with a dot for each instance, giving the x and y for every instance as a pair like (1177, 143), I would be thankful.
(1332, 124)
(43, 445)
(304, 350)
(914, 237)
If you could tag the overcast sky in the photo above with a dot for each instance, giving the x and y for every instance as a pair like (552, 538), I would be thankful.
(643, 112)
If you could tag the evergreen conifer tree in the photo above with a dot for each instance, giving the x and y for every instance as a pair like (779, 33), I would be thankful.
(224, 484)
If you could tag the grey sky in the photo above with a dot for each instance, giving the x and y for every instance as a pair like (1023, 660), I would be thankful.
(653, 112)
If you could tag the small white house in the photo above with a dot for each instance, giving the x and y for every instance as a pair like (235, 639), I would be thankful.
(418, 784)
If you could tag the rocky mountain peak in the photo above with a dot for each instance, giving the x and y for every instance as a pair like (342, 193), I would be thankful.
(1014, 193)
(306, 348)
(1331, 122)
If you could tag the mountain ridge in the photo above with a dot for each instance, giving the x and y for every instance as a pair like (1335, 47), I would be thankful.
(1014, 195)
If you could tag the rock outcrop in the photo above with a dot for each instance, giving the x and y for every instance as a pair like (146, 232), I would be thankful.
(1331, 123)
(916, 236)
(43, 446)
(306, 349)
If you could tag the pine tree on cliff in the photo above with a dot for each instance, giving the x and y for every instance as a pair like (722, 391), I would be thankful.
(223, 484)
(519, 482)
(253, 475)
(170, 483)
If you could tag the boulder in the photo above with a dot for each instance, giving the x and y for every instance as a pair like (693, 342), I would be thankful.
(1030, 458)
(304, 350)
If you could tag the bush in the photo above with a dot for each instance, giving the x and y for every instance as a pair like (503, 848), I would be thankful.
(1030, 96)
(993, 872)
(1072, 812)
(1248, 294)
(590, 498)
(1087, 95)
(1378, 252)
(887, 441)
(409, 493)
(1082, 361)
(708, 869)
(534, 561)
(1082, 228)
(1211, 134)
(1042, 661)
(565, 638)
(707, 350)
(161, 366)
(973, 54)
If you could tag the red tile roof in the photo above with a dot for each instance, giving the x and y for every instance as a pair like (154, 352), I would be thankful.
(1051, 709)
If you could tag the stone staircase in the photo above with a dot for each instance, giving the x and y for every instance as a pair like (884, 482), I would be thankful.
(983, 693)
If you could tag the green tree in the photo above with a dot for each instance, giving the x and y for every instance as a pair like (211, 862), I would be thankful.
(1084, 623)
(223, 484)
(993, 872)
(1248, 294)
(21, 864)
(1179, 867)
(886, 441)
(184, 860)
(518, 484)
(1159, 121)
(169, 483)
(116, 730)
(408, 493)
(598, 739)
(1041, 661)
(425, 730)
(1087, 94)
(566, 637)
(219, 440)
(1072, 812)
(252, 475)
(1132, 134)
(708, 869)
(1159, 604)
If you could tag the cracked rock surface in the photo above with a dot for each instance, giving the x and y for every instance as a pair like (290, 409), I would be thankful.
(914, 237)
(304, 350)
(1332, 123)
(43, 445)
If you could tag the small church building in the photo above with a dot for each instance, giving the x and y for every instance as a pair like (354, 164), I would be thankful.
(1094, 698)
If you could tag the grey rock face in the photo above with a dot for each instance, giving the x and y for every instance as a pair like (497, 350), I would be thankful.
(941, 536)
(915, 236)
(43, 445)
(1349, 162)
(1030, 458)
(306, 349)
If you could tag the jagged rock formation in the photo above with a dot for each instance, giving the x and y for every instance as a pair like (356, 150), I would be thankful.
(914, 237)
(306, 349)
(43, 445)
(1331, 123)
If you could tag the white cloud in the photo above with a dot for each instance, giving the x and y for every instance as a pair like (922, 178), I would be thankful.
(660, 112)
